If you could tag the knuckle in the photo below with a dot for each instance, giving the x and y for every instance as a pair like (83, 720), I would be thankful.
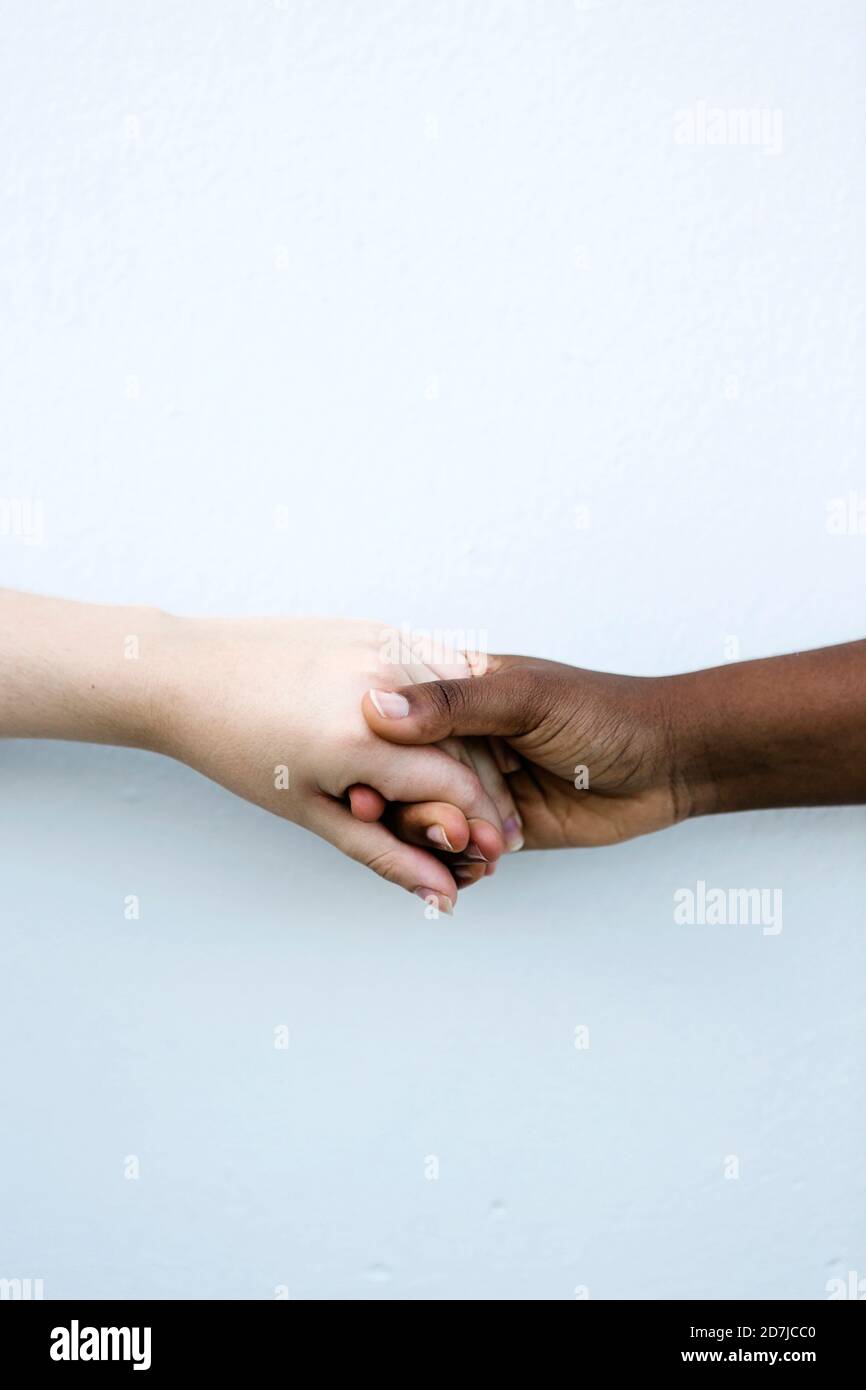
(466, 783)
(386, 865)
(448, 699)
(533, 692)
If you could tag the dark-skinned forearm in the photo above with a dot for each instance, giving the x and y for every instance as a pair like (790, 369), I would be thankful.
(782, 731)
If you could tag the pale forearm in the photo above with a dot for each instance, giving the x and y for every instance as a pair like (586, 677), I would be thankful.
(82, 671)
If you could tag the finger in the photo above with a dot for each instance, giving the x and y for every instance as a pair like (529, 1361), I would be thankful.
(497, 788)
(427, 823)
(486, 842)
(375, 846)
(441, 664)
(430, 822)
(475, 840)
(423, 774)
(476, 753)
(505, 756)
(467, 874)
(434, 661)
(511, 701)
(365, 803)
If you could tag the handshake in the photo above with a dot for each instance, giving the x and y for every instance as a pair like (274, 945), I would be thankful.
(423, 769)
(429, 774)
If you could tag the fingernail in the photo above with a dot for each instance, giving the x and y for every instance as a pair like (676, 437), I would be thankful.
(513, 834)
(389, 704)
(473, 852)
(436, 833)
(434, 899)
(463, 875)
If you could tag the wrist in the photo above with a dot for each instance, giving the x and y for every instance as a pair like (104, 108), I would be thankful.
(669, 731)
(114, 675)
(147, 688)
(690, 739)
(169, 706)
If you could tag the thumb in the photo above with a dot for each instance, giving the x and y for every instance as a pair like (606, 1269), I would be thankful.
(511, 701)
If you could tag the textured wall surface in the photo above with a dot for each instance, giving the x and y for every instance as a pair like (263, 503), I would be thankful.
(444, 314)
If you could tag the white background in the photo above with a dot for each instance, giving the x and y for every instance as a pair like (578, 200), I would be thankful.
(432, 278)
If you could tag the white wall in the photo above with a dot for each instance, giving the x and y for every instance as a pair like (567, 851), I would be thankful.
(432, 277)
